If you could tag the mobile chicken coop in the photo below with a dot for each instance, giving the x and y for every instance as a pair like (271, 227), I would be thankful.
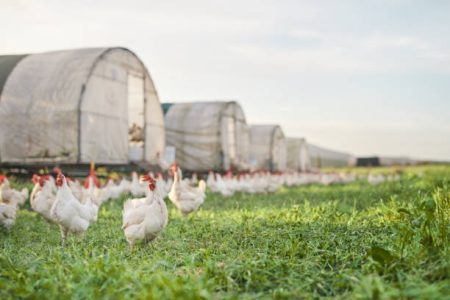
(297, 155)
(323, 157)
(77, 106)
(208, 135)
(268, 148)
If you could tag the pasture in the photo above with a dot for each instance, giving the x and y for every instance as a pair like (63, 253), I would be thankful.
(387, 241)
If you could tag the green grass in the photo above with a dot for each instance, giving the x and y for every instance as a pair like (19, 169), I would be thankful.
(389, 241)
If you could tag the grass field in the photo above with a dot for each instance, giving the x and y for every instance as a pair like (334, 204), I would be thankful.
(389, 241)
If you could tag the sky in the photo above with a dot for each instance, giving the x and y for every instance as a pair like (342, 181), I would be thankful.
(364, 77)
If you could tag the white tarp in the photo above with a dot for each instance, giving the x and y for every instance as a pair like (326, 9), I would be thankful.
(267, 148)
(297, 155)
(71, 107)
(322, 157)
(208, 135)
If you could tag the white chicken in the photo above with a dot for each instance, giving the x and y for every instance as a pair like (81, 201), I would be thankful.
(194, 179)
(145, 218)
(43, 199)
(164, 186)
(7, 215)
(375, 179)
(9, 195)
(211, 181)
(259, 183)
(274, 182)
(137, 189)
(169, 183)
(36, 188)
(114, 191)
(224, 187)
(75, 187)
(327, 178)
(246, 184)
(126, 184)
(69, 213)
(91, 188)
(186, 198)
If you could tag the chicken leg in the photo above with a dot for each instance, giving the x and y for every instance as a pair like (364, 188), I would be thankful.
(64, 234)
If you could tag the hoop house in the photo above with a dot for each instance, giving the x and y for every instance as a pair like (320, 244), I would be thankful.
(268, 148)
(297, 155)
(208, 135)
(79, 105)
(322, 157)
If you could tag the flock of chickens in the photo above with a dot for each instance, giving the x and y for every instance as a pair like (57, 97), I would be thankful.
(74, 206)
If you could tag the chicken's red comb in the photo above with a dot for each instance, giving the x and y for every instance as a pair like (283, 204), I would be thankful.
(59, 179)
(152, 181)
(94, 179)
(35, 178)
(43, 179)
(148, 178)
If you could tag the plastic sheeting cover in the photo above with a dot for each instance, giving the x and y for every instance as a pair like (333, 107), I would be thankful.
(7, 64)
(322, 157)
(208, 135)
(268, 148)
(48, 95)
(297, 154)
